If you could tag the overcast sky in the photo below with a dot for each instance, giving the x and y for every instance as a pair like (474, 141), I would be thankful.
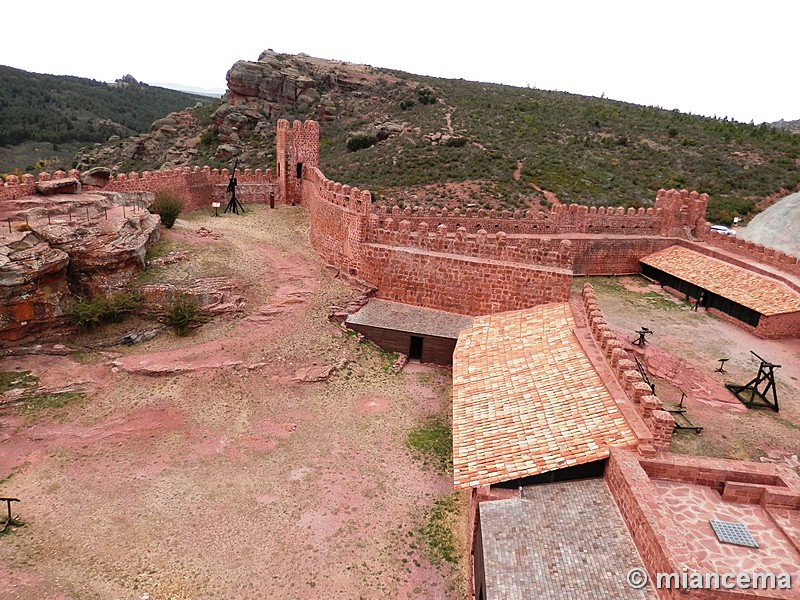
(724, 58)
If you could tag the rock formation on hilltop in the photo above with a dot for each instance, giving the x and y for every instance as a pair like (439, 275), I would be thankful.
(243, 124)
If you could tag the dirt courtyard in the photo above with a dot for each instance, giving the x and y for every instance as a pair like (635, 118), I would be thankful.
(683, 354)
(199, 467)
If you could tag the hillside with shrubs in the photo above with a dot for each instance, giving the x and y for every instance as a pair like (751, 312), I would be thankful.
(441, 142)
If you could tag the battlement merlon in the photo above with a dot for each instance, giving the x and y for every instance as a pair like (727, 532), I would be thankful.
(500, 246)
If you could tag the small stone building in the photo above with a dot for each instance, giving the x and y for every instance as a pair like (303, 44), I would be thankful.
(422, 334)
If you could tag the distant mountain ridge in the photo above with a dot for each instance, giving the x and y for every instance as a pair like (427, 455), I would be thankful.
(210, 92)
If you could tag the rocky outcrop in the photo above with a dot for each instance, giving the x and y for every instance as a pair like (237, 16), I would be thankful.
(243, 126)
(33, 285)
(172, 142)
(213, 295)
(97, 176)
(82, 244)
(67, 185)
(105, 254)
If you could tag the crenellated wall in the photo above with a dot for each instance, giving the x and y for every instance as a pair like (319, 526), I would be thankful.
(338, 218)
(467, 261)
(499, 246)
(675, 214)
(660, 422)
(197, 186)
(748, 249)
(297, 154)
(457, 272)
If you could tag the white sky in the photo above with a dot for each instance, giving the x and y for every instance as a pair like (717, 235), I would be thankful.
(726, 58)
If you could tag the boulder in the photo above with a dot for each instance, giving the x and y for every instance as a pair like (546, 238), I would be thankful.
(225, 151)
(244, 78)
(68, 185)
(166, 122)
(312, 374)
(97, 177)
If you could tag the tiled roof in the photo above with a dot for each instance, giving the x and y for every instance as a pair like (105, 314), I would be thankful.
(410, 319)
(757, 292)
(527, 400)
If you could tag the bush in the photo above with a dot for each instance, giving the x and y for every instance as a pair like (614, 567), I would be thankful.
(90, 314)
(169, 205)
(407, 104)
(426, 96)
(182, 313)
(456, 142)
(358, 141)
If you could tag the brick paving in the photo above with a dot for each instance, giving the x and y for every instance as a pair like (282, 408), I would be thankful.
(563, 540)
(693, 506)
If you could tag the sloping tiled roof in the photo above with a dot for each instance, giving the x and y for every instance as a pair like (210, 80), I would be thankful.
(757, 292)
(410, 319)
(527, 400)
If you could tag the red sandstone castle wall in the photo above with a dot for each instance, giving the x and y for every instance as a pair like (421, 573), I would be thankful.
(779, 326)
(338, 217)
(455, 272)
(197, 186)
(298, 145)
(747, 249)
(614, 256)
(460, 284)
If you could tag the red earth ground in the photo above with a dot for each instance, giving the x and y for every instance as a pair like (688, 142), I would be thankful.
(197, 467)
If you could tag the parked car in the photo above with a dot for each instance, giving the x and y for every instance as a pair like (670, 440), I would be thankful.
(723, 229)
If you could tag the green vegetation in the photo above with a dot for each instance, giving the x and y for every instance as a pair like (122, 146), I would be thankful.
(182, 313)
(438, 533)
(425, 95)
(168, 205)
(37, 403)
(586, 150)
(161, 248)
(641, 299)
(92, 313)
(432, 443)
(359, 141)
(50, 108)
(10, 380)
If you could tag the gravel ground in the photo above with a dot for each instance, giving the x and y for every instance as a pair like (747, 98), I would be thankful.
(778, 226)
(224, 478)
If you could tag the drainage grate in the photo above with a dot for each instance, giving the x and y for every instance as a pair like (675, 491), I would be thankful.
(733, 533)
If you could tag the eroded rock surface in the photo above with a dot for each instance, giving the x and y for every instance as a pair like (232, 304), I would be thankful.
(104, 254)
(33, 285)
(85, 244)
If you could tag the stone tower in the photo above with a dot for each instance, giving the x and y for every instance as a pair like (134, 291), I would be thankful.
(683, 212)
(297, 150)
